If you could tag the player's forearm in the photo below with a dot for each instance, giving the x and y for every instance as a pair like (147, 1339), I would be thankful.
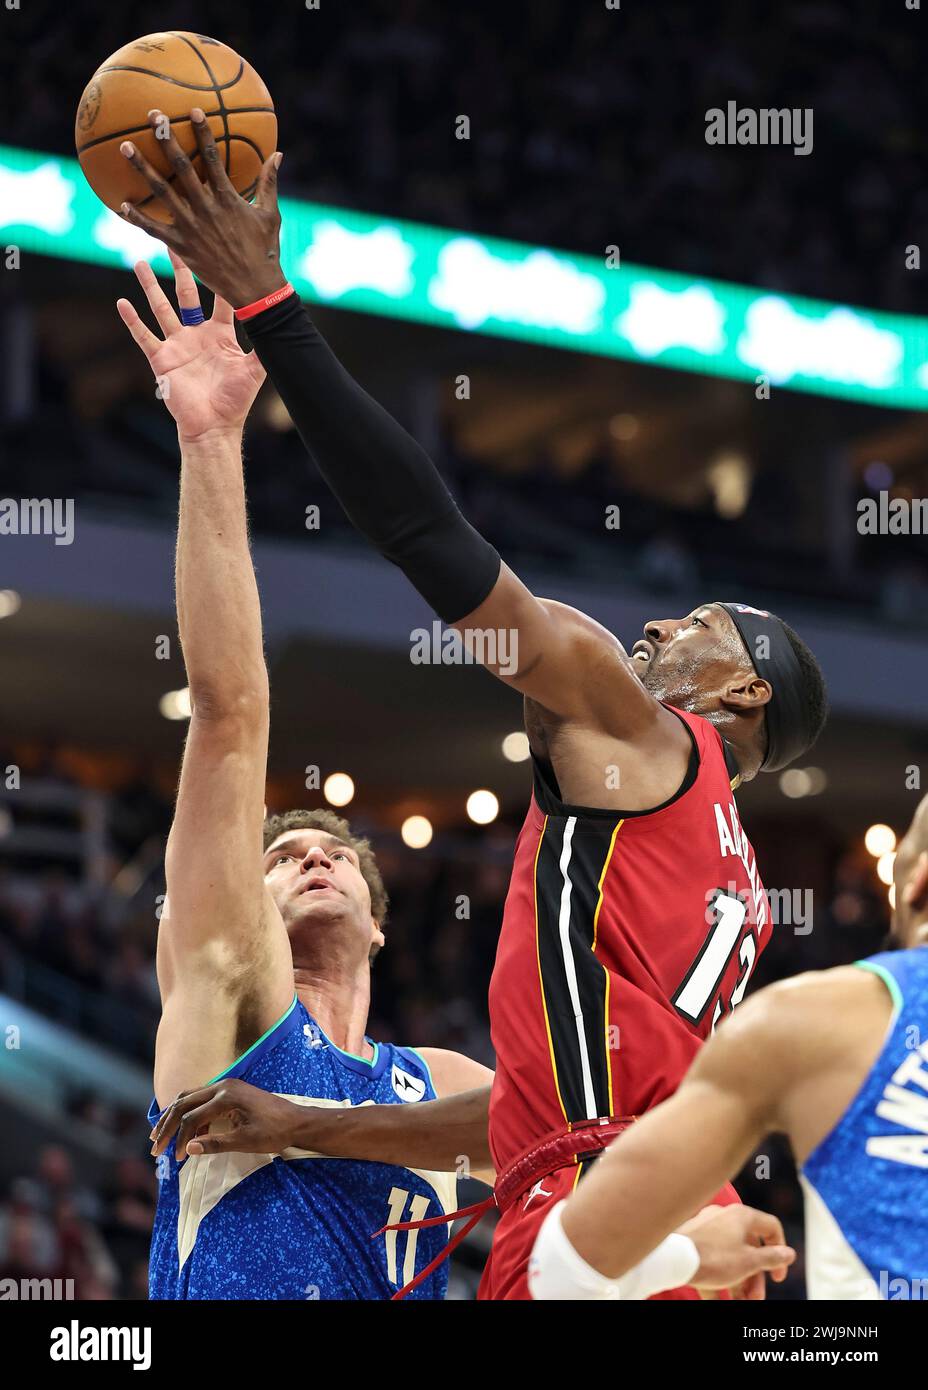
(634, 1206)
(387, 485)
(657, 1175)
(447, 1135)
(218, 611)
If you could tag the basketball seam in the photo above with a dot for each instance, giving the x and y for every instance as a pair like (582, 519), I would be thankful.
(176, 81)
(222, 106)
(179, 120)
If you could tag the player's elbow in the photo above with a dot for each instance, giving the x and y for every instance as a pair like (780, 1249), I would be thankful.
(244, 706)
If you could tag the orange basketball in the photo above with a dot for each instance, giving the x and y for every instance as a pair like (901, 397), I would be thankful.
(172, 72)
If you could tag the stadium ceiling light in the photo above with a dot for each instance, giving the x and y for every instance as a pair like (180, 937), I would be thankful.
(803, 781)
(338, 789)
(10, 603)
(416, 831)
(795, 782)
(175, 704)
(276, 414)
(623, 427)
(891, 895)
(729, 477)
(515, 747)
(818, 780)
(482, 807)
(880, 840)
(878, 476)
(884, 867)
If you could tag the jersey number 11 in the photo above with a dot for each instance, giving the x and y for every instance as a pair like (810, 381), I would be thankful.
(417, 1210)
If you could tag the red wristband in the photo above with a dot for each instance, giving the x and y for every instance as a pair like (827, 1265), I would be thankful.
(248, 311)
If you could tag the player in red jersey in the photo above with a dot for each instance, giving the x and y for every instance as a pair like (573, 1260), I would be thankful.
(635, 913)
(643, 930)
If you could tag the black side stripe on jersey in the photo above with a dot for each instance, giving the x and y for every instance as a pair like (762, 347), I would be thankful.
(570, 862)
(731, 763)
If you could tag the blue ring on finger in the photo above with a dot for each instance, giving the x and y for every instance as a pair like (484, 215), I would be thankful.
(191, 317)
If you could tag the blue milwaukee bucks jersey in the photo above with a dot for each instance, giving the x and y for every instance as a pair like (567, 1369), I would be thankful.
(866, 1184)
(299, 1225)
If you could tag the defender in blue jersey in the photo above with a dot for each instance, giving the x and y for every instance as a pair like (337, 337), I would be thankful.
(297, 1225)
(264, 963)
(838, 1061)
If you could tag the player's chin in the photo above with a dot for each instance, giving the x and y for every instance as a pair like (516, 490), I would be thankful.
(317, 907)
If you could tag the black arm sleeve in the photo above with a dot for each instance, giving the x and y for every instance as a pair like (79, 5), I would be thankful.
(388, 486)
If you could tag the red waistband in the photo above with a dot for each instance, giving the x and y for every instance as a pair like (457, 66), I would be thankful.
(547, 1155)
(556, 1150)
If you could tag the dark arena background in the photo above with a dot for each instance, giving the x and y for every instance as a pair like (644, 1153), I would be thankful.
(651, 367)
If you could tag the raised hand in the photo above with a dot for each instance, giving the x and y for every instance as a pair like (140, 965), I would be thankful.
(232, 245)
(205, 380)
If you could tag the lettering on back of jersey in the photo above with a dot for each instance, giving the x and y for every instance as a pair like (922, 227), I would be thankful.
(733, 841)
(908, 1108)
(407, 1086)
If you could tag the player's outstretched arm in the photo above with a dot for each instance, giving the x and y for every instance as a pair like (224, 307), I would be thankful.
(386, 483)
(671, 1163)
(446, 1135)
(224, 963)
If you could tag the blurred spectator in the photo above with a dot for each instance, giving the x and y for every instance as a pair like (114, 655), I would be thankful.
(127, 1220)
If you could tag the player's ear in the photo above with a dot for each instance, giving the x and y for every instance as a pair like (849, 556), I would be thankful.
(746, 691)
(915, 891)
(378, 940)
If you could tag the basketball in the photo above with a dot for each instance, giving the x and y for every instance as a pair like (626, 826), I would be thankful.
(172, 72)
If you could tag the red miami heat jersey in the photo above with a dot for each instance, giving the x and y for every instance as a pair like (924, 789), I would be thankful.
(624, 940)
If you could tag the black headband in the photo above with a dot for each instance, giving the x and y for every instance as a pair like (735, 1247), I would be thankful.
(790, 726)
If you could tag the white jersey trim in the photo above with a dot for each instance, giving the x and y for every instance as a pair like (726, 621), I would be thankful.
(833, 1267)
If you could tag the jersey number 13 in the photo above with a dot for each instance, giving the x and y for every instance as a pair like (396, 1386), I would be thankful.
(705, 974)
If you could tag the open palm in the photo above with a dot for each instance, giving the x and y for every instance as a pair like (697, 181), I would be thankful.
(204, 378)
